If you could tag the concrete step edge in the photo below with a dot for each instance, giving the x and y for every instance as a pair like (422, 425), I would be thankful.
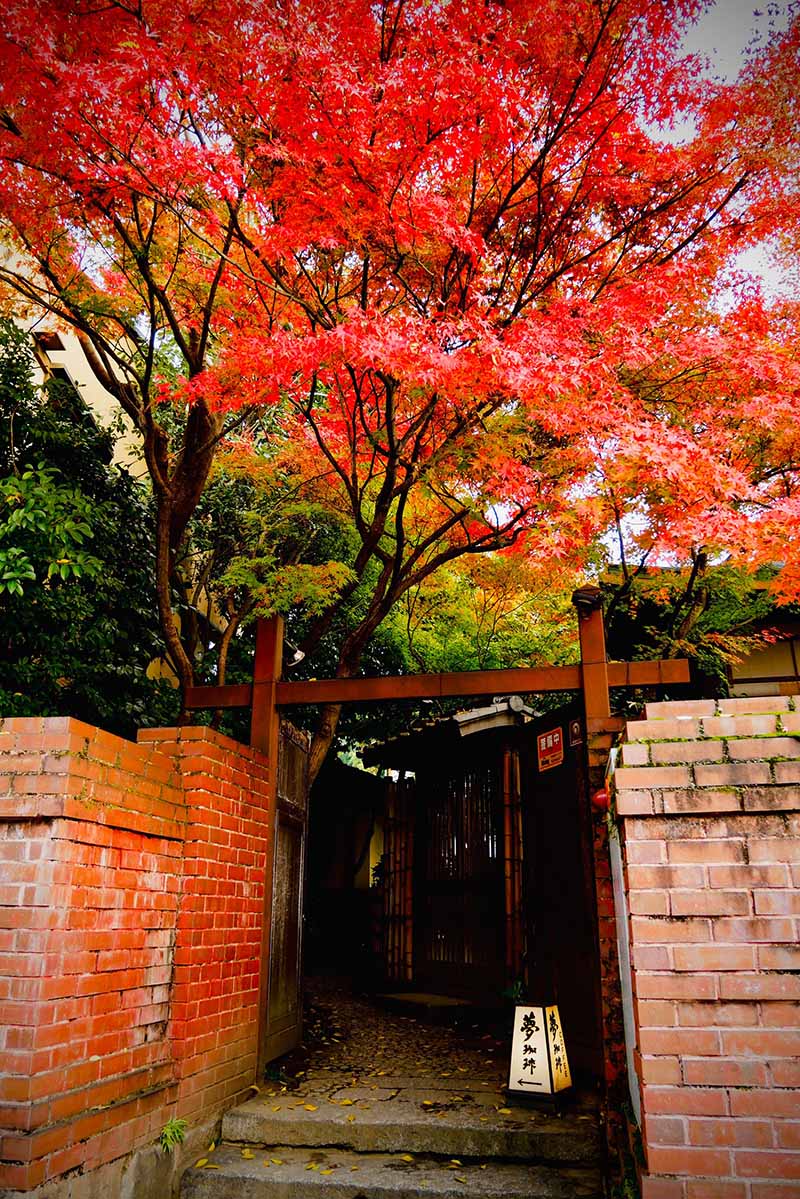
(226, 1174)
(552, 1141)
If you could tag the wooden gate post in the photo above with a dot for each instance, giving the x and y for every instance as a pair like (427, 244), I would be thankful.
(265, 726)
(594, 667)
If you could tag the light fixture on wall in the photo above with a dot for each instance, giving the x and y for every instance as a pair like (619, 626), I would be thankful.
(539, 1065)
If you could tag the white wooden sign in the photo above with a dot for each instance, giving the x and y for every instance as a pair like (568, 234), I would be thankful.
(539, 1063)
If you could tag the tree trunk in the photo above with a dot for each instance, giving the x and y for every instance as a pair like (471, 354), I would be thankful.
(323, 738)
(180, 660)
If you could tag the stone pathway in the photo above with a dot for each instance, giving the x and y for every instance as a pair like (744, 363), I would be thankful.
(400, 1105)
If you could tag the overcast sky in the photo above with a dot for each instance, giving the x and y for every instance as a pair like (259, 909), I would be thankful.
(725, 31)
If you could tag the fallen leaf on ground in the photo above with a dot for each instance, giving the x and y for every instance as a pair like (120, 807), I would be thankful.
(310, 1107)
(276, 1161)
(248, 1153)
(406, 1157)
(203, 1162)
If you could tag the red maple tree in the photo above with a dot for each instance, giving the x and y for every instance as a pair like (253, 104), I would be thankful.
(463, 244)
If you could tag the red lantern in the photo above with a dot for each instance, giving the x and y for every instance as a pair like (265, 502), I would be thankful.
(600, 800)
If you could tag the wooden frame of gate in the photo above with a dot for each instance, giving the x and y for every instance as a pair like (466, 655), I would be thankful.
(269, 693)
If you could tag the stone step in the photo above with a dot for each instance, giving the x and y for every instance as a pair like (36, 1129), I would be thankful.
(299, 1173)
(404, 1122)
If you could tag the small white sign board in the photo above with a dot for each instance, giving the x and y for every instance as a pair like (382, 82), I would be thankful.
(538, 1055)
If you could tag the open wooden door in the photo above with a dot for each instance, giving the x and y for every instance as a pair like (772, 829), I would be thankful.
(284, 1014)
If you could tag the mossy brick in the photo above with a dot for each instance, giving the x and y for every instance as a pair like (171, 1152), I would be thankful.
(772, 797)
(635, 754)
(732, 774)
(675, 752)
(788, 773)
(663, 730)
(636, 803)
(694, 800)
(680, 709)
(651, 777)
(763, 748)
(740, 726)
(754, 704)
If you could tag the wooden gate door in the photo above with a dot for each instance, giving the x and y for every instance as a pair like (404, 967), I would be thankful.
(458, 904)
(284, 1014)
(563, 958)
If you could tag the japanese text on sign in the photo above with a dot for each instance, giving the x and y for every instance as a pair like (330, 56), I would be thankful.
(550, 749)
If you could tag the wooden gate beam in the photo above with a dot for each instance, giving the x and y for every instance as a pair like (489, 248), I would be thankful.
(265, 731)
(518, 680)
(594, 666)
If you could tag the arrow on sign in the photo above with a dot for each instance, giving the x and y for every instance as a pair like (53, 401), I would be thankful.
(521, 1082)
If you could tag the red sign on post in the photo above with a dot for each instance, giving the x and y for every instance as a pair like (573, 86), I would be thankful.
(550, 748)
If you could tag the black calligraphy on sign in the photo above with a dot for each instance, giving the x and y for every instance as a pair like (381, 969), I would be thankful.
(529, 1025)
(557, 1044)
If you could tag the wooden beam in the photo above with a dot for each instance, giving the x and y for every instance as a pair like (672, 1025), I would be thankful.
(518, 680)
(522, 680)
(594, 666)
(430, 686)
(265, 735)
(234, 695)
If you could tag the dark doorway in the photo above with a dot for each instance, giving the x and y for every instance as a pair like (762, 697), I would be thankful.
(458, 879)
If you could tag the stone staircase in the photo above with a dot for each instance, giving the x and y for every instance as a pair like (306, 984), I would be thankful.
(380, 1136)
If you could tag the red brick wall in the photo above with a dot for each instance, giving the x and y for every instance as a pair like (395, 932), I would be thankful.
(708, 799)
(131, 897)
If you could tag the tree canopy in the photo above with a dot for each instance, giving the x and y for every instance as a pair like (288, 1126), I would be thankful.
(77, 595)
(478, 254)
